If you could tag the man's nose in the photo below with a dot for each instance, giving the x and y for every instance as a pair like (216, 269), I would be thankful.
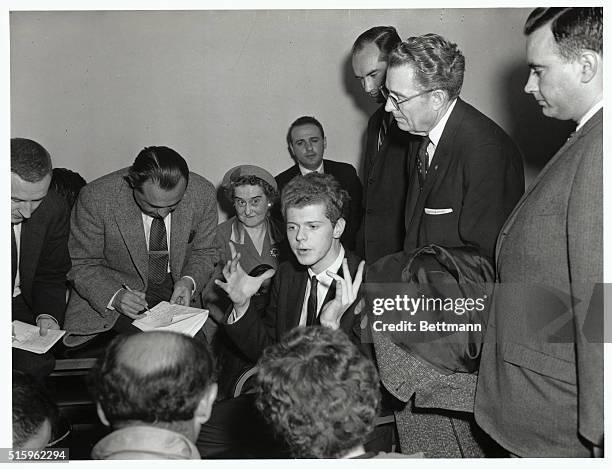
(531, 86)
(248, 209)
(300, 235)
(388, 106)
(26, 209)
(368, 85)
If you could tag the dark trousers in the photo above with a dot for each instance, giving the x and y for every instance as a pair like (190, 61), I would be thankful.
(37, 365)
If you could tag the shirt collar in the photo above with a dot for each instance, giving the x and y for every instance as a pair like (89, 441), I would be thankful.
(590, 113)
(305, 171)
(323, 277)
(435, 134)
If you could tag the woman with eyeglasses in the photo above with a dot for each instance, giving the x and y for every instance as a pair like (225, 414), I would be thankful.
(261, 242)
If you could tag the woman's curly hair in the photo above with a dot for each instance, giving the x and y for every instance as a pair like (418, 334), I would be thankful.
(318, 391)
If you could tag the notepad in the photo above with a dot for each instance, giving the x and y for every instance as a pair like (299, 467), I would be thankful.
(170, 317)
(27, 337)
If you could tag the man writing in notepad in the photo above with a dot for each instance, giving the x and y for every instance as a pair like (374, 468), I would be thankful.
(39, 249)
(139, 236)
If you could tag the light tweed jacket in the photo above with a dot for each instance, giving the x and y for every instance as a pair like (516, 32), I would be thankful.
(108, 248)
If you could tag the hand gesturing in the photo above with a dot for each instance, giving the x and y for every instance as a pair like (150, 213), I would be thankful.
(346, 293)
(239, 285)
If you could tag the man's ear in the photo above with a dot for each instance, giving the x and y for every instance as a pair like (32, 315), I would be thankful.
(439, 98)
(102, 415)
(339, 228)
(202, 413)
(324, 143)
(290, 150)
(590, 62)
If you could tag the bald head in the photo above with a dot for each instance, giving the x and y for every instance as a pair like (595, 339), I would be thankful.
(152, 377)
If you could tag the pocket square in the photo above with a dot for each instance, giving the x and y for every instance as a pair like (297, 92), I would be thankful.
(191, 236)
(438, 211)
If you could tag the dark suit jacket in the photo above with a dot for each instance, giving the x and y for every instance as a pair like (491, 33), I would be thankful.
(385, 185)
(253, 332)
(346, 175)
(477, 172)
(43, 257)
(549, 259)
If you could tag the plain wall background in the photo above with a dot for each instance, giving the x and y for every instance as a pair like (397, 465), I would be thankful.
(222, 87)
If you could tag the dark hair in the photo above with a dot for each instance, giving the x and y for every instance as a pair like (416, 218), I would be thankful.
(318, 392)
(29, 160)
(385, 38)
(574, 29)
(304, 120)
(161, 165)
(31, 407)
(67, 183)
(437, 63)
(314, 188)
(152, 377)
(251, 180)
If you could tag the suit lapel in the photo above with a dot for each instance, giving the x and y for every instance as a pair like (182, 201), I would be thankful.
(129, 221)
(179, 236)
(441, 158)
(32, 236)
(573, 139)
(296, 289)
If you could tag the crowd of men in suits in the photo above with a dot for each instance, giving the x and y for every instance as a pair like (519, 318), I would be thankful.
(436, 171)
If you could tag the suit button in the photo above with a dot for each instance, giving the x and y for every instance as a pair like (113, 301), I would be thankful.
(371, 181)
(369, 210)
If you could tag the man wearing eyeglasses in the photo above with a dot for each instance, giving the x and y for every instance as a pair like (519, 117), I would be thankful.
(385, 181)
(466, 174)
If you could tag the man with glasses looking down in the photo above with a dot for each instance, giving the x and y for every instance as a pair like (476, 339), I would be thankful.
(466, 174)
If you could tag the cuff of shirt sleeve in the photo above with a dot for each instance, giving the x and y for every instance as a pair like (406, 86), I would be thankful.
(112, 300)
(46, 316)
(192, 281)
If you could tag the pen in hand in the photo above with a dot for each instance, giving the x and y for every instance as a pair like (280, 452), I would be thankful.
(126, 287)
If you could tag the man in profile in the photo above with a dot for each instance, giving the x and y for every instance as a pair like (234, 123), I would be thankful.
(307, 143)
(39, 249)
(155, 390)
(540, 392)
(466, 175)
(139, 235)
(384, 167)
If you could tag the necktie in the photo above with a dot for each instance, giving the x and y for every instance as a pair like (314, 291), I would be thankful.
(382, 132)
(13, 257)
(311, 307)
(158, 252)
(423, 161)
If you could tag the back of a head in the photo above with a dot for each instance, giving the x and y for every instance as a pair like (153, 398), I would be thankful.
(438, 64)
(29, 160)
(316, 188)
(160, 165)
(574, 29)
(67, 183)
(32, 407)
(318, 391)
(152, 377)
(385, 38)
